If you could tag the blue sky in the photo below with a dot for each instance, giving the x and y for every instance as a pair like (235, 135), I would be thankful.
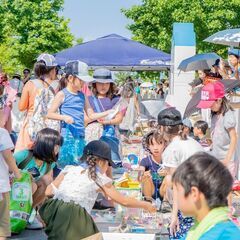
(91, 19)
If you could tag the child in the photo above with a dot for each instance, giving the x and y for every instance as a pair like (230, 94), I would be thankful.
(40, 160)
(202, 185)
(180, 148)
(72, 104)
(199, 131)
(45, 71)
(7, 97)
(187, 127)
(223, 122)
(102, 100)
(152, 164)
(74, 192)
(7, 164)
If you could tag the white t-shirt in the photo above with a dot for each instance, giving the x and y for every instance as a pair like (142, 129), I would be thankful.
(179, 151)
(79, 188)
(5, 143)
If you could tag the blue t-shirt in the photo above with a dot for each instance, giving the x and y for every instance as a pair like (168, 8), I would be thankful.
(73, 106)
(149, 164)
(221, 231)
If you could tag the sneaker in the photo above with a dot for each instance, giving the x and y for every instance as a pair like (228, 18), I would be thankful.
(35, 225)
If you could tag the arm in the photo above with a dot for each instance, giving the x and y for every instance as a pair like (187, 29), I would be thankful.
(8, 157)
(136, 104)
(52, 112)
(91, 114)
(174, 225)
(50, 191)
(24, 100)
(115, 121)
(87, 120)
(111, 192)
(232, 147)
(235, 104)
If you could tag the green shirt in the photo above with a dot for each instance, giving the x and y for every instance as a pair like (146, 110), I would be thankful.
(22, 155)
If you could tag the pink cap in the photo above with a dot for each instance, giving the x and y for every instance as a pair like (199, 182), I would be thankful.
(210, 93)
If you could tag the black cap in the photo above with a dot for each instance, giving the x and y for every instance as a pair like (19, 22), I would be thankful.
(99, 149)
(169, 117)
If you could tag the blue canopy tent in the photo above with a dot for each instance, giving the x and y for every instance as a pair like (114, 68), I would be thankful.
(116, 53)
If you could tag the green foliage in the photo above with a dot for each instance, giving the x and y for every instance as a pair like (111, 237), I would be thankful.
(30, 27)
(145, 76)
(79, 40)
(153, 21)
(121, 76)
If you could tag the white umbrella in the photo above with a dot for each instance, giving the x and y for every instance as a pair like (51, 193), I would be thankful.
(146, 85)
(229, 37)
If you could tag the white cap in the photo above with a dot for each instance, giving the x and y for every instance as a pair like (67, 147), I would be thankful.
(48, 59)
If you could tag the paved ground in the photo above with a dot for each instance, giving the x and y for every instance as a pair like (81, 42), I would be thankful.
(39, 235)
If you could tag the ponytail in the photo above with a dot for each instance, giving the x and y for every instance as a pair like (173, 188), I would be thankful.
(181, 133)
(41, 70)
(92, 170)
(173, 131)
(92, 163)
(63, 82)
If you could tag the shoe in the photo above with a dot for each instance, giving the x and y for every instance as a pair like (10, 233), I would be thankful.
(99, 206)
(165, 207)
(35, 225)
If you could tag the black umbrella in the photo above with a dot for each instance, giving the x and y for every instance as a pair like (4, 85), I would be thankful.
(192, 105)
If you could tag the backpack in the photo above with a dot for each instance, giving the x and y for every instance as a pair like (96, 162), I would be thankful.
(42, 103)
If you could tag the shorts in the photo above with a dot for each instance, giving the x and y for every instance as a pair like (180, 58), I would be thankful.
(5, 228)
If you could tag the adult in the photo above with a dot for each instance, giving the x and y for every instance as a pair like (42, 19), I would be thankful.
(7, 97)
(16, 83)
(26, 75)
(160, 91)
(133, 108)
(39, 161)
(233, 59)
(17, 116)
(45, 71)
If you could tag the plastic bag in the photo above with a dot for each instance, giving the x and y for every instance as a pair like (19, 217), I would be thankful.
(20, 202)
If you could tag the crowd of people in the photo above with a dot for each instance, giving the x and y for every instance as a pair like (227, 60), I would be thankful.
(63, 128)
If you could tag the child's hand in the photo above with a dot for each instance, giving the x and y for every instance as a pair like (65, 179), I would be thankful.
(174, 225)
(162, 172)
(68, 119)
(149, 207)
(146, 174)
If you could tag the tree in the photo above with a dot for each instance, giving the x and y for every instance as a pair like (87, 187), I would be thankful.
(153, 20)
(31, 27)
(79, 40)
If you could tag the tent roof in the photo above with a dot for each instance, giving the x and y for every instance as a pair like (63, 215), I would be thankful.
(116, 53)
